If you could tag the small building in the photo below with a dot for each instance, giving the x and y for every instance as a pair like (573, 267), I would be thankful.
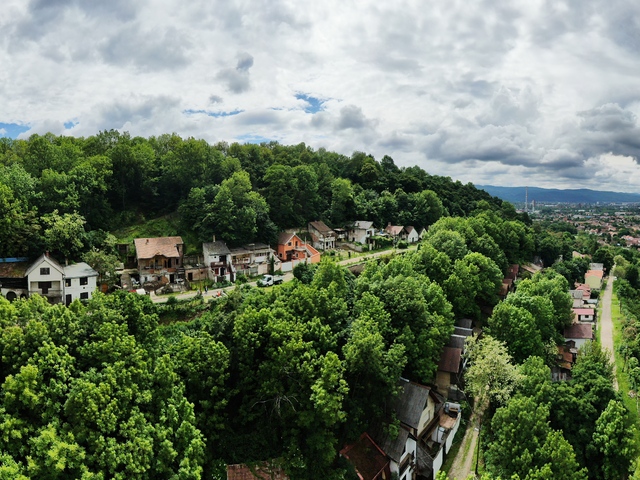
(578, 334)
(449, 368)
(323, 237)
(80, 282)
(254, 259)
(361, 232)
(293, 250)
(159, 258)
(396, 232)
(217, 258)
(45, 277)
(584, 314)
(593, 278)
(411, 235)
(13, 280)
(368, 459)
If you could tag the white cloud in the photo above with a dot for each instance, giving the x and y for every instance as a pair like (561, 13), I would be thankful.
(538, 93)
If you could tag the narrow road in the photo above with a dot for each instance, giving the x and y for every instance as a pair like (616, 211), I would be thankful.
(287, 277)
(463, 463)
(606, 327)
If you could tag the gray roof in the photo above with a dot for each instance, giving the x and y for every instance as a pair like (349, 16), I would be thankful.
(79, 270)
(365, 225)
(464, 322)
(450, 360)
(216, 248)
(467, 332)
(411, 403)
(576, 294)
(393, 447)
(579, 331)
(457, 341)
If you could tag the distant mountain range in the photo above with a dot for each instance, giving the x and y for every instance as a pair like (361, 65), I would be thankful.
(553, 195)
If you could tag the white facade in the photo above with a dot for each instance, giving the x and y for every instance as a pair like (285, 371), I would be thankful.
(80, 281)
(45, 277)
(412, 235)
(361, 232)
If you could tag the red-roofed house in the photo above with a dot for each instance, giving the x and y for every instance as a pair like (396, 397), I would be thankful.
(584, 314)
(593, 278)
(370, 462)
(159, 258)
(291, 248)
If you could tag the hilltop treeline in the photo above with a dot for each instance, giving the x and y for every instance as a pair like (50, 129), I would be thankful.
(60, 192)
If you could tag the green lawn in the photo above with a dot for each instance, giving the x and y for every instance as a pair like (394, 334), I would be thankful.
(623, 380)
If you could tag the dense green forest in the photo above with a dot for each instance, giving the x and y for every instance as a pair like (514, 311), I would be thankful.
(63, 193)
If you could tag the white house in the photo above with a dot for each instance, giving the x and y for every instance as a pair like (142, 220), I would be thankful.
(361, 232)
(411, 234)
(80, 281)
(217, 258)
(45, 277)
(324, 238)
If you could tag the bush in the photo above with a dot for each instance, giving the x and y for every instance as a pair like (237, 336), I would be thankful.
(172, 301)
(241, 279)
(402, 244)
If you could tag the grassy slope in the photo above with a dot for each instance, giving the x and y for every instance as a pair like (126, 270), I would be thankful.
(167, 225)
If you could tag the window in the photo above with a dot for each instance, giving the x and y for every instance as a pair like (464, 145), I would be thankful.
(84, 296)
(67, 282)
(84, 280)
(44, 287)
(288, 244)
(44, 270)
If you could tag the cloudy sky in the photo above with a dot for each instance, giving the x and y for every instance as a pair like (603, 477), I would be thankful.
(539, 93)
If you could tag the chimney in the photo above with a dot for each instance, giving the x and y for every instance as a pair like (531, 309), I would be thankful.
(46, 254)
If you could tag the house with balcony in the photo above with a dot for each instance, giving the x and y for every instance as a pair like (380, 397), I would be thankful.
(217, 258)
(324, 238)
(254, 259)
(45, 277)
(292, 250)
(159, 259)
(361, 232)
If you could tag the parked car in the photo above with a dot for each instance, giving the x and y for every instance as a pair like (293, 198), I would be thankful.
(269, 280)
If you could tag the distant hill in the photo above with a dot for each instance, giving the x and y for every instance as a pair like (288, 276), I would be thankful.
(553, 195)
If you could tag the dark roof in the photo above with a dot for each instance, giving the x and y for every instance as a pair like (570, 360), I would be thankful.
(456, 341)
(464, 322)
(13, 269)
(450, 360)
(466, 332)
(261, 471)
(579, 331)
(321, 227)
(216, 248)
(393, 447)
(366, 456)
(411, 403)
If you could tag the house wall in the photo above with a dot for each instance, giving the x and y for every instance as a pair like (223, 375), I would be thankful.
(413, 237)
(75, 290)
(427, 415)
(452, 434)
(437, 462)
(579, 341)
(54, 276)
(586, 318)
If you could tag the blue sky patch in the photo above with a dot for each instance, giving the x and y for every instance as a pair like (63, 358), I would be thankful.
(314, 105)
(249, 138)
(12, 130)
(70, 124)
(212, 114)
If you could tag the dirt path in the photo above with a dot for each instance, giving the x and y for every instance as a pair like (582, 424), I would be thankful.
(606, 327)
(463, 463)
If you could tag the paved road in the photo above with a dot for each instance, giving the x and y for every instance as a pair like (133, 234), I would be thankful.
(287, 278)
(606, 327)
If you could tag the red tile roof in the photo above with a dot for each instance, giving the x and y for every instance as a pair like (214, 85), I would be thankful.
(161, 246)
(579, 331)
(261, 471)
(367, 457)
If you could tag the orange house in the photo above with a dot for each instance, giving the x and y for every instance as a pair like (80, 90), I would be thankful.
(292, 248)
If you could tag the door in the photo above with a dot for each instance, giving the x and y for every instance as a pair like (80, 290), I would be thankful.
(68, 299)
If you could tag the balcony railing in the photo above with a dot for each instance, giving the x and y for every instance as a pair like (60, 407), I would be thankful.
(50, 293)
